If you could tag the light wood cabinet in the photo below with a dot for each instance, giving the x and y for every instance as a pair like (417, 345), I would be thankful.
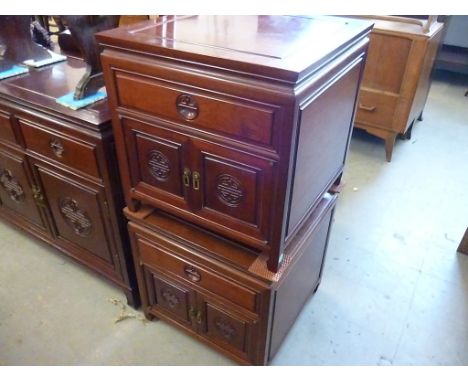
(397, 77)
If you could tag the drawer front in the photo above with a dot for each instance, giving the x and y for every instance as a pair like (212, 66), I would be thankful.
(61, 149)
(156, 256)
(6, 128)
(242, 119)
(376, 109)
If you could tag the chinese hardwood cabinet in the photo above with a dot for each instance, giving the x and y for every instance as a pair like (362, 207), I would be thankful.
(230, 133)
(58, 172)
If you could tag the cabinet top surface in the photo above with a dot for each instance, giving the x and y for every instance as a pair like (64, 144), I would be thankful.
(39, 88)
(289, 44)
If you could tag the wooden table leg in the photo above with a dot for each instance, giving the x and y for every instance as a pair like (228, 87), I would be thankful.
(389, 144)
(463, 247)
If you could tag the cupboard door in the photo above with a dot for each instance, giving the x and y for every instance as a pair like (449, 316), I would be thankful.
(16, 190)
(233, 188)
(79, 212)
(169, 298)
(155, 158)
(226, 328)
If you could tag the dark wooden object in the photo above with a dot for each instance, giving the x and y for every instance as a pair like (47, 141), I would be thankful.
(58, 174)
(236, 128)
(83, 28)
(463, 247)
(243, 140)
(222, 293)
(16, 44)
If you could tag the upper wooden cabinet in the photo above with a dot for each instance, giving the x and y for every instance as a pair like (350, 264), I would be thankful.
(396, 78)
(236, 124)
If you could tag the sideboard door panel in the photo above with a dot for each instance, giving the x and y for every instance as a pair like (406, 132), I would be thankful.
(78, 211)
(16, 193)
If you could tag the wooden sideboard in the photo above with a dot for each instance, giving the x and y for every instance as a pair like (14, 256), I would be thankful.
(397, 77)
(58, 172)
(230, 133)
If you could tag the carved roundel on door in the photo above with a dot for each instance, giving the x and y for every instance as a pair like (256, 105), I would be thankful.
(225, 328)
(11, 186)
(229, 190)
(170, 298)
(75, 217)
(159, 165)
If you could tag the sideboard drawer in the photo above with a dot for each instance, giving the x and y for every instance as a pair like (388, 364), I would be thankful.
(197, 107)
(6, 128)
(78, 155)
(156, 256)
(376, 108)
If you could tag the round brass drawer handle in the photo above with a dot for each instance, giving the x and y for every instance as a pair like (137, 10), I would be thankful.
(57, 147)
(192, 274)
(187, 106)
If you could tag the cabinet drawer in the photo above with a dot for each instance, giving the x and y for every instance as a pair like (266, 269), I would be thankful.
(245, 119)
(6, 127)
(59, 148)
(154, 255)
(376, 109)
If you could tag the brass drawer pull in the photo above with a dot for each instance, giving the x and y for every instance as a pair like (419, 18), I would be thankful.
(186, 177)
(195, 315)
(196, 180)
(192, 274)
(367, 108)
(192, 313)
(199, 317)
(187, 107)
(38, 196)
(57, 147)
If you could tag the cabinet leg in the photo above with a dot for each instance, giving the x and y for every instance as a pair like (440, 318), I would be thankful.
(420, 118)
(408, 133)
(463, 247)
(133, 298)
(389, 144)
(149, 316)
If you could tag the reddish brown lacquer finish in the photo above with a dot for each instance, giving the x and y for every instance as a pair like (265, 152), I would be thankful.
(253, 119)
(58, 175)
(230, 131)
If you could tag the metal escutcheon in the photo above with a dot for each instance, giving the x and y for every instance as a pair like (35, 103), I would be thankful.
(187, 106)
(192, 274)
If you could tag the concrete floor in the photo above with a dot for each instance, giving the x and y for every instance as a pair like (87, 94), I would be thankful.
(394, 290)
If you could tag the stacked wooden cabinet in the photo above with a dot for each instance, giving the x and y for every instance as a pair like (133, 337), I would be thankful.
(232, 133)
(58, 172)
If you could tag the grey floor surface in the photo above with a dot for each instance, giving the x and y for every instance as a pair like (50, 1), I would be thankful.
(394, 290)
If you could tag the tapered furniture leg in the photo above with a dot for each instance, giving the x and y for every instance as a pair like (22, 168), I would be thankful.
(463, 247)
(389, 144)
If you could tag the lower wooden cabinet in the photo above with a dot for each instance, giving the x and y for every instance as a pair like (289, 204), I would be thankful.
(59, 178)
(221, 292)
